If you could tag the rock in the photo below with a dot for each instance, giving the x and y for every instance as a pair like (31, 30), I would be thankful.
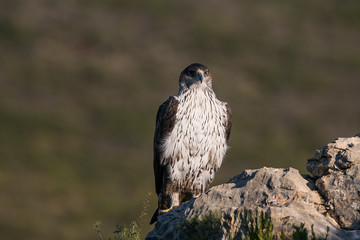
(337, 167)
(338, 155)
(289, 198)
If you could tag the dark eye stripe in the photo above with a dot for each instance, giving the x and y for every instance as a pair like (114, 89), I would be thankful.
(192, 72)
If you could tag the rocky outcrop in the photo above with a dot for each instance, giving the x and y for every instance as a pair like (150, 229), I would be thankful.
(330, 199)
(337, 167)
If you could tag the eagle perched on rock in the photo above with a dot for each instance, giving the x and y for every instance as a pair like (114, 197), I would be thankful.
(190, 142)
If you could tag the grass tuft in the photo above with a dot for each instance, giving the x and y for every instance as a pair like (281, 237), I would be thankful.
(204, 228)
(131, 231)
(301, 233)
(257, 226)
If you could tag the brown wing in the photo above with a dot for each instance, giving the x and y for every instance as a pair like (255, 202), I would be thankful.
(165, 121)
(229, 122)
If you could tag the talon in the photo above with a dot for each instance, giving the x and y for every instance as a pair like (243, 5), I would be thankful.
(166, 210)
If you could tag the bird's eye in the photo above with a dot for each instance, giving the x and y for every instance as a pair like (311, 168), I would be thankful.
(191, 72)
(206, 72)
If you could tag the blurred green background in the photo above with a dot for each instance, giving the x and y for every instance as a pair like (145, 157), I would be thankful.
(81, 81)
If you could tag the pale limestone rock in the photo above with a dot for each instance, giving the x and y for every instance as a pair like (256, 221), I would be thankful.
(287, 196)
(338, 155)
(337, 167)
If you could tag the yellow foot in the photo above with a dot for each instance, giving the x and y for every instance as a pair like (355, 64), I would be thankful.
(167, 210)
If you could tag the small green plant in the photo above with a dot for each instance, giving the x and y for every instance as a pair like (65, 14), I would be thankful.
(301, 233)
(207, 227)
(96, 227)
(130, 232)
(259, 226)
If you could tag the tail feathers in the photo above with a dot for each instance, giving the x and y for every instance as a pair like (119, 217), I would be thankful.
(154, 217)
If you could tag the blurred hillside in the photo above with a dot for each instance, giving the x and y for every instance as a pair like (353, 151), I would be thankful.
(81, 81)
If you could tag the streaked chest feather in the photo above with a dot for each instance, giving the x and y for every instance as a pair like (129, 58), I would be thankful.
(197, 142)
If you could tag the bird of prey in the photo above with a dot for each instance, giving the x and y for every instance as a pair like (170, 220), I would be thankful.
(190, 142)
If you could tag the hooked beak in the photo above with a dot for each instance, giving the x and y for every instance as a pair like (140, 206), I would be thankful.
(200, 75)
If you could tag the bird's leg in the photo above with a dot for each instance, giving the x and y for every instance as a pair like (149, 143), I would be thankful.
(174, 202)
(197, 195)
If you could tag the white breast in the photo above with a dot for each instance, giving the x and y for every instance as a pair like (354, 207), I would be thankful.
(197, 144)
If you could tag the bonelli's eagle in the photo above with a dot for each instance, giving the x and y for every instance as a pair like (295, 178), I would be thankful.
(190, 142)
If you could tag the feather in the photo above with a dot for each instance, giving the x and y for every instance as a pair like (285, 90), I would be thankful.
(190, 141)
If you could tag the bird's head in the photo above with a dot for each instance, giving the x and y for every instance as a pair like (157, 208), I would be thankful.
(195, 76)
